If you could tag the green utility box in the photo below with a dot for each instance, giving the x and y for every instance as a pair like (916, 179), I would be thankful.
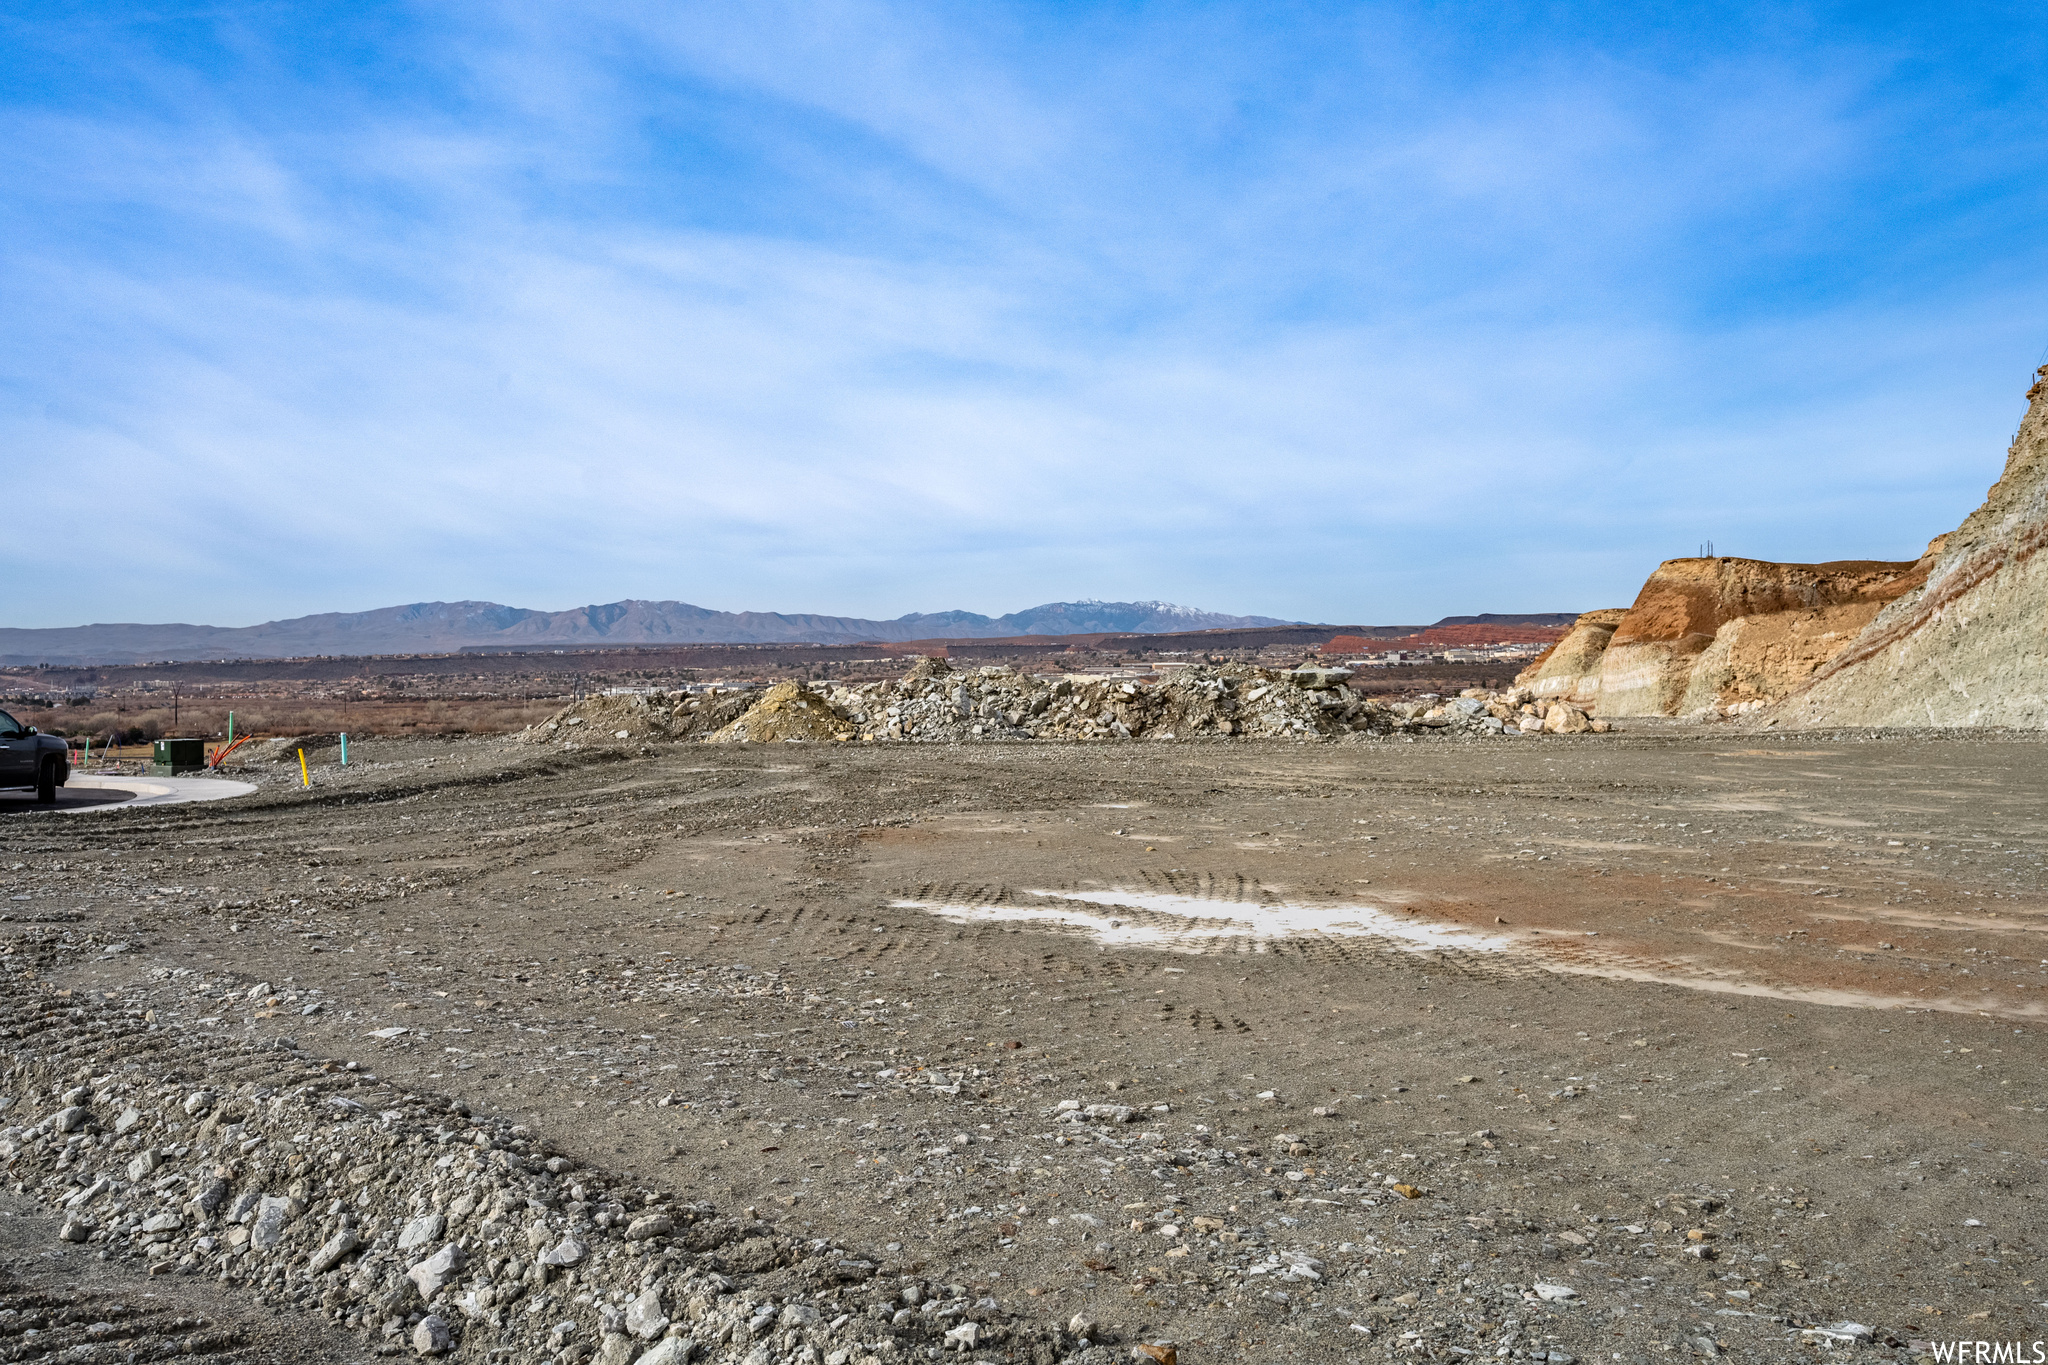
(180, 755)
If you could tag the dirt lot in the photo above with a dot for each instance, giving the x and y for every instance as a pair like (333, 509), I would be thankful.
(57, 1300)
(1718, 1038)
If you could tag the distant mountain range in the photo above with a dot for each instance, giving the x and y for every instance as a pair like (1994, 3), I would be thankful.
(445, 627)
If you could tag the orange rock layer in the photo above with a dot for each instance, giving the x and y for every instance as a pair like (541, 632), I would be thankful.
(1707, 633)
(1714, 634)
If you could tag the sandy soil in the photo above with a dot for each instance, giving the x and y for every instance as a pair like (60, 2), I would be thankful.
(1411, 1028)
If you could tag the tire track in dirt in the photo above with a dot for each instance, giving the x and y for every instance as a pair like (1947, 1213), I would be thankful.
(1108, 916)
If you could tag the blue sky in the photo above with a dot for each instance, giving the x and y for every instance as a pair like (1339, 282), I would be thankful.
(1343, 313)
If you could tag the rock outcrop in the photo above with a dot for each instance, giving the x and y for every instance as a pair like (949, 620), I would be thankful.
(1958, 637)
(1714, 633)
(1966, 647)
(1720, 636)
(1570, 669)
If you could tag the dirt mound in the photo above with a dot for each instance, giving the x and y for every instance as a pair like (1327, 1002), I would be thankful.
(654, 717)
(788, 711)
(283, 749)
(1707, 633)
(1967, 646)
(1570, 669)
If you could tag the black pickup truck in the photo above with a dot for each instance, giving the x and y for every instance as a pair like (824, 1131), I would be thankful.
(28, 759)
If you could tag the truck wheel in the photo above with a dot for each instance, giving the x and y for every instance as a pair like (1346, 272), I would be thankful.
(46, 782)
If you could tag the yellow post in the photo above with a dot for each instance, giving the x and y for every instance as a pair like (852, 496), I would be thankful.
(304, 776)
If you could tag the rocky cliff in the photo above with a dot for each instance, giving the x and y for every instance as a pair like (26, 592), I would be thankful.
(1968, 645)
(1727, 632)
(1720, 635)
(1570, 669)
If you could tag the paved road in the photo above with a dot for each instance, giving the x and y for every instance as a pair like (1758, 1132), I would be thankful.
(91, 791)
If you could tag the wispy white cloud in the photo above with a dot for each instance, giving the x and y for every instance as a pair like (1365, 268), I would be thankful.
(863, 308)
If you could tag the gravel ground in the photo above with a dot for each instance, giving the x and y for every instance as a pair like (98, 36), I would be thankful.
(1628, 1047)
(60, 1301)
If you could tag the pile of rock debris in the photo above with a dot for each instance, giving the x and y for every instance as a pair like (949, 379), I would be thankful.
(936, 703)
(431, 1232)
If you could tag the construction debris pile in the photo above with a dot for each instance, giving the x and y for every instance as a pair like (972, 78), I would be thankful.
(282, 749)
(427, 1231)
(658, 717)
(935, 703)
